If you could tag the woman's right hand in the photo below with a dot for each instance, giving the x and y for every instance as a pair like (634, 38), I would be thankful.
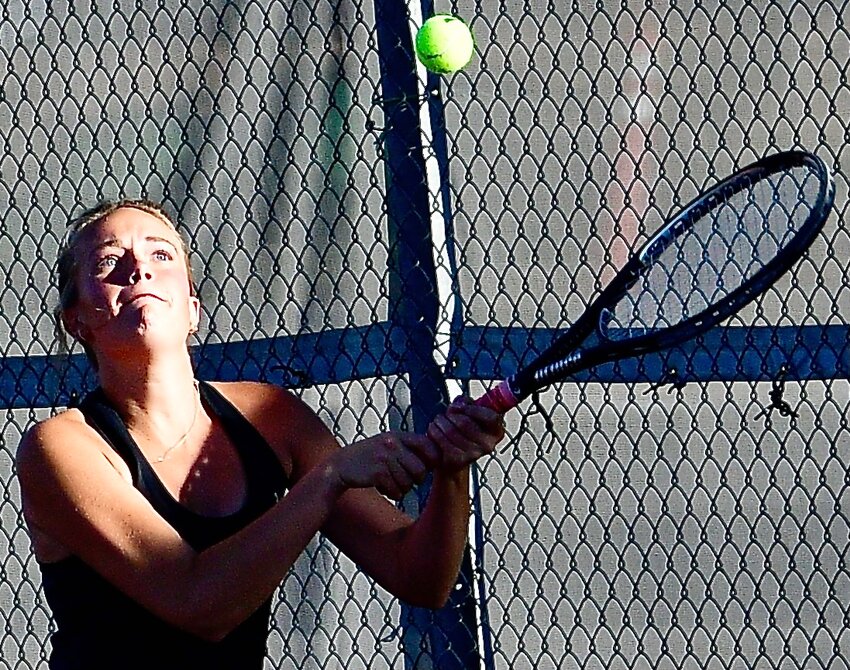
(393, 463)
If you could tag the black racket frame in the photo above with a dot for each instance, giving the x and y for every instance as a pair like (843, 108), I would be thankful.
(578, 349)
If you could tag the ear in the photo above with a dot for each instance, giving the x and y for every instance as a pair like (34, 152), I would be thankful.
(194, 314)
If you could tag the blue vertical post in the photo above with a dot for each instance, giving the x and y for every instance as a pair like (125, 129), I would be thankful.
(473, 564)
(445, 639)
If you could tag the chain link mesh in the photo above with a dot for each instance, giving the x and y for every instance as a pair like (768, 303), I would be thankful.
(650, 517)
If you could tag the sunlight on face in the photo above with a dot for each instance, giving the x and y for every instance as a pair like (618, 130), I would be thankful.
(131, 278)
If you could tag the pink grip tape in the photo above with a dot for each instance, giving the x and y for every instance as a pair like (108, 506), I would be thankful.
(500, 398)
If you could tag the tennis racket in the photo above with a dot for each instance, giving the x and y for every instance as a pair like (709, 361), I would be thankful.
(716, 255)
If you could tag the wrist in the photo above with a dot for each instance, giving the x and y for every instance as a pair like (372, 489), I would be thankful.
(330, 480)
(452, 474)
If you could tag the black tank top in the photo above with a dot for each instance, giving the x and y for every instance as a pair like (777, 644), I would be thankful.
(97, 626)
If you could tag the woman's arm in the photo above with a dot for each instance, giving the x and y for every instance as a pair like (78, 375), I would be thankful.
(75, 495)
(418, 561)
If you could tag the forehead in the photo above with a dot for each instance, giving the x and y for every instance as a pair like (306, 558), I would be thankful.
(128, 224)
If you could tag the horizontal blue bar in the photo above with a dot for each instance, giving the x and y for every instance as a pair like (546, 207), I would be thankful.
(328, 357)
(378, 350)
(721, 354)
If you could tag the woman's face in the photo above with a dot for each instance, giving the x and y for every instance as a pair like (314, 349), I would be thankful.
(132, 282)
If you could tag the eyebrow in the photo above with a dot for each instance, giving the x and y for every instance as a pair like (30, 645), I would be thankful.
(115, 242)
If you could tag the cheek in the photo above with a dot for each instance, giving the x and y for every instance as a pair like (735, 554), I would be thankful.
(178, 283)
(92, 292)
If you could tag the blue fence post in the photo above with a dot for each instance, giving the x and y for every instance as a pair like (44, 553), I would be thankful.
(445, 639)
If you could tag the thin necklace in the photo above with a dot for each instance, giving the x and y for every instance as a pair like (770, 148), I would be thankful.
(189, 430)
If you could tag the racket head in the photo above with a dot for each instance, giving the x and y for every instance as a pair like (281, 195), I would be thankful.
(716, 255)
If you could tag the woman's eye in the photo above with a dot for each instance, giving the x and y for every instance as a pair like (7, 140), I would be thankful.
(106, 263)
(162, 255)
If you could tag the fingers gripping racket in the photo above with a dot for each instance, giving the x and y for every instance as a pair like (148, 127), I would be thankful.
(705, 263)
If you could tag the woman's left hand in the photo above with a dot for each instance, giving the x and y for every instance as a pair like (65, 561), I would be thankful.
(465, 433)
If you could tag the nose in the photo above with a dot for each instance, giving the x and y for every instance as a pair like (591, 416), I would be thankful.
(139, 270)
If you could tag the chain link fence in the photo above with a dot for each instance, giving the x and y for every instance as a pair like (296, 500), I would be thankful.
(378, 239)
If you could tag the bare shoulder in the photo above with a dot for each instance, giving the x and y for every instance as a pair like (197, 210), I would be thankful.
(56, 459)
(287, 423)
(55, 437)
(64, 438)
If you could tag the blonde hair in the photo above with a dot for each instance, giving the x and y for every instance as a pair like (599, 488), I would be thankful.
(67, 262)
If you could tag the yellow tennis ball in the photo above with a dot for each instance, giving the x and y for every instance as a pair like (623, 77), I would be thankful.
(444, 44)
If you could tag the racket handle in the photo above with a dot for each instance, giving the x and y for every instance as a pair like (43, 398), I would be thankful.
(499, 398)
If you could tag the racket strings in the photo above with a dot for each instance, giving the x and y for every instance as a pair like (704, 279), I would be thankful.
(729, 240)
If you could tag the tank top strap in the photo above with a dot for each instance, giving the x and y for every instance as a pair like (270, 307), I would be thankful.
(101, 416)
(263, 468)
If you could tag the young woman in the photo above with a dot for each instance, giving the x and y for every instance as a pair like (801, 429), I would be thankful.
(164, 511)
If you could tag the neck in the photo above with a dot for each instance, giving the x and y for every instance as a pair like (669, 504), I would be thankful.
(157, 400)
(147, 383)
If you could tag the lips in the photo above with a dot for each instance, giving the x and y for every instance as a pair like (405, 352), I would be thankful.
(138, 296)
